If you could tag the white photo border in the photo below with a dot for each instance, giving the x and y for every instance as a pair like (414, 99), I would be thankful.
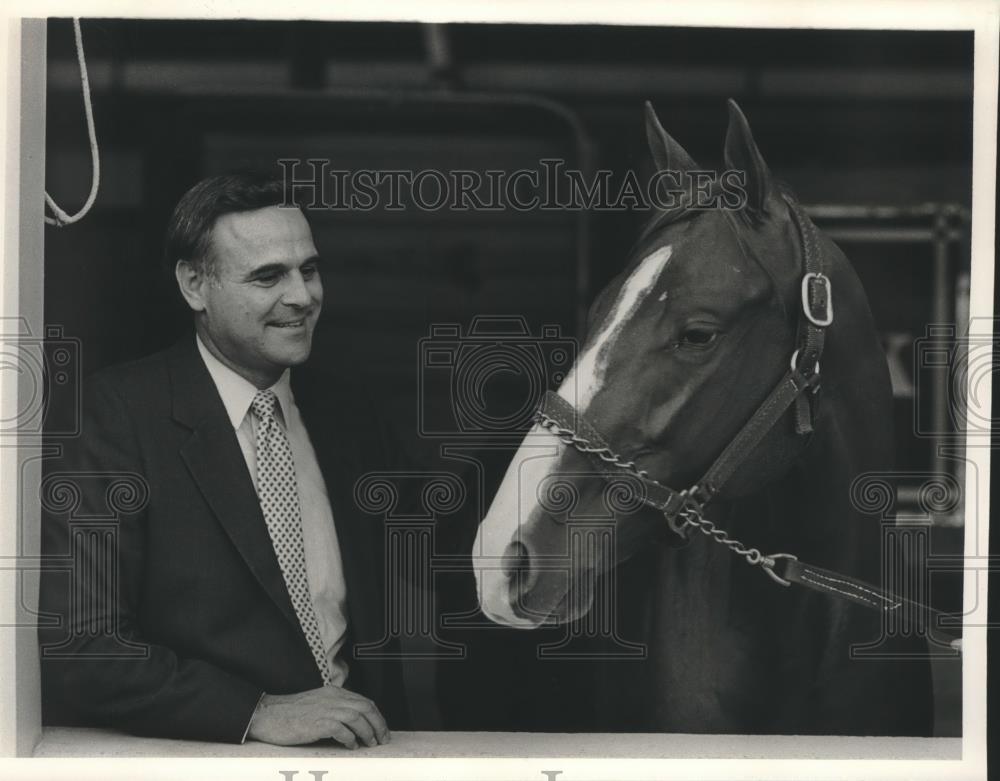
(981, 17)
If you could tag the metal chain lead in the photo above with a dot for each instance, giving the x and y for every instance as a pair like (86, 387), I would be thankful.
(570, 437)
(691, 512)
(692, 517)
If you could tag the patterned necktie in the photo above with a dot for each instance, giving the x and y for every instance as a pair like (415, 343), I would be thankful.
(279, 499)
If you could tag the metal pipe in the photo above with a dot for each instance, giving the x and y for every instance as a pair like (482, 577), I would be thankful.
(941, 314)
(582, 141)
(890, 234)
(886, 212)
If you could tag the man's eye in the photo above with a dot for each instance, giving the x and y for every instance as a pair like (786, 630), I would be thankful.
(268, 279)
(310, 271)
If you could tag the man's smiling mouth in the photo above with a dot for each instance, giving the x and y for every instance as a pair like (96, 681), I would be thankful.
(289, 323)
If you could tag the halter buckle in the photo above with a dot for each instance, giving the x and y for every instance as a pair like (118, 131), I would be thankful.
(820, 280)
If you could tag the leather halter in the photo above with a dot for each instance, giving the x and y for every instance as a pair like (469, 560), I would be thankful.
(683, 510)
(802, 375)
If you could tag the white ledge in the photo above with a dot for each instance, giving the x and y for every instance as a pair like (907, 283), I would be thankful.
(78, 742)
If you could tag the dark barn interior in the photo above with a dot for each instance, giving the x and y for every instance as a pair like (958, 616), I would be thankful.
(852, 120)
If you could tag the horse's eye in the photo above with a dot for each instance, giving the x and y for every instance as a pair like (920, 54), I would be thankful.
(698, 338)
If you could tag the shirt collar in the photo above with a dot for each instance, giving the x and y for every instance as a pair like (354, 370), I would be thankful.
(238, 393)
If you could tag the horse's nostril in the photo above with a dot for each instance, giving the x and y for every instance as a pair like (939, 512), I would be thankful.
(515, 559)
(516, 567)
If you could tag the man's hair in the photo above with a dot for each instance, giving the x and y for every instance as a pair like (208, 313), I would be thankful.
(189, 232)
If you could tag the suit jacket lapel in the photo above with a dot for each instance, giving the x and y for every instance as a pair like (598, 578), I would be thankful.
(216, 463)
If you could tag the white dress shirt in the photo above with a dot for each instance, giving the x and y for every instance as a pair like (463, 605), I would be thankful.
(324, 568)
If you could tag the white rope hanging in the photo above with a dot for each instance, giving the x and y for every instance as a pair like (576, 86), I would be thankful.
(62, 218)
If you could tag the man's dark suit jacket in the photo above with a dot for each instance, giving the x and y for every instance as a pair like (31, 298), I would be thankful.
(171, 617)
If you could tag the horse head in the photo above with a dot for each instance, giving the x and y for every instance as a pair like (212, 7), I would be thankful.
(682, 349)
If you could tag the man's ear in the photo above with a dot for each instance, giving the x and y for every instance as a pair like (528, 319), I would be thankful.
(191, 282)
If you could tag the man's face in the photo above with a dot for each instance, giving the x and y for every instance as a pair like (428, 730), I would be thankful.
(263, 302)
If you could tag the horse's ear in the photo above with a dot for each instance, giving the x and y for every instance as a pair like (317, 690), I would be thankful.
(667, 153)
(742, 154)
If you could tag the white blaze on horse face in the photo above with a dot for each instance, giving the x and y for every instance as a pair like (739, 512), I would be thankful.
(515, 500)
(541, 451)
(587, 376)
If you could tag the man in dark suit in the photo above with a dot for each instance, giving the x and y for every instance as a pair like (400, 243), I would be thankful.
(235, 580)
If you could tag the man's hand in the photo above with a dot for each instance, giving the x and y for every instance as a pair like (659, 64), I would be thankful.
(329, 712)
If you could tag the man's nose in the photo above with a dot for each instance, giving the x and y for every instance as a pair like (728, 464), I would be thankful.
(296, 292)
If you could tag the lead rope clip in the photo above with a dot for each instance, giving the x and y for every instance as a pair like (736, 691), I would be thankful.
(768, 562)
